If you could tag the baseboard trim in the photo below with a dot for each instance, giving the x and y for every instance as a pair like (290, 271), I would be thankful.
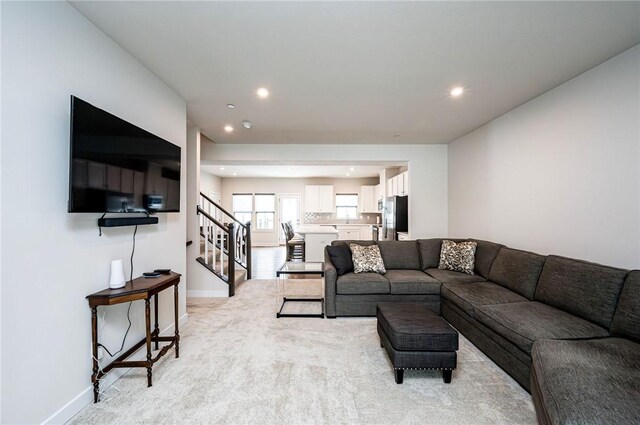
(219, 293)
(69, 410)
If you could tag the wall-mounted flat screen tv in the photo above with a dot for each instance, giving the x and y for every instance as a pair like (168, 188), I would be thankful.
(117, 167)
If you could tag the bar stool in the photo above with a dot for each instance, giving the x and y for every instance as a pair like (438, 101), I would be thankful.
(295, 243)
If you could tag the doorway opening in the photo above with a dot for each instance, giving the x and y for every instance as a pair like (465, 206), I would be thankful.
(289, 210)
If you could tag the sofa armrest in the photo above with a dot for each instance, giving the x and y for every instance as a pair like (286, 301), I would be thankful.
(330, 279)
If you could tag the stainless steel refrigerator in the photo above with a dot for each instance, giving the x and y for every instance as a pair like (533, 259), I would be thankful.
(395, 217)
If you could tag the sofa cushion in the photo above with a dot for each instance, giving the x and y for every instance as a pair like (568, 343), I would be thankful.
(362, 283)
(467, 296)
(586, 382)
(414, 327)
(517, 270)
(429, 250)
(459, 257)
(412, 282)
(486, 253)
(585, 289)
(626, 321)
(451, 276)
(341, 258)
(366, 259)
(526, 322)
(349, 242)
(400, 254)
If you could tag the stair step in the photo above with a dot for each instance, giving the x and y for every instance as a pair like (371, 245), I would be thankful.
(240, 273)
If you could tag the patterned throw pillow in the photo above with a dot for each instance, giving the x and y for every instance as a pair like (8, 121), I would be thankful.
(459, 257)
(367, 259)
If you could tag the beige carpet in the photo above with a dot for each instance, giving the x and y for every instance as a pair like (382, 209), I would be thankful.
(240, 365)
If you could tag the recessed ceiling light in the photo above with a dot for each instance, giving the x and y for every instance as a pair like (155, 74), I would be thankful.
(351, 169)
(262, 92)
(235, 174)
(456, 91)
(247, 124)
(228, 128)
(348, 174)
(231, 106)
(221, 168)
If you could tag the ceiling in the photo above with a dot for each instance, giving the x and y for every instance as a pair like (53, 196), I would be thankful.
(298, 169)
(362, 72)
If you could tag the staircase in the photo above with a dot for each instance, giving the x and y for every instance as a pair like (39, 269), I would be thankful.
(225, 244)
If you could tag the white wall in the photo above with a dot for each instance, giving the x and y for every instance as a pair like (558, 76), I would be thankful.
(202, 283)
(1, 226)
(278, 186)
(427, 171)
(51, 259)
(560, 174)
(210, 183)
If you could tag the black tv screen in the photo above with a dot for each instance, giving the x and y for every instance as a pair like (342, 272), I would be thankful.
(117, 167)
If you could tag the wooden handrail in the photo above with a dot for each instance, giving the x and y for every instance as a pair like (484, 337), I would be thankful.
(223, 210)
(236, 244)
(216, 222)
(231, 267)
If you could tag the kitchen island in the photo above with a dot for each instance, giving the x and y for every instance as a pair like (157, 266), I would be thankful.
(316, 237)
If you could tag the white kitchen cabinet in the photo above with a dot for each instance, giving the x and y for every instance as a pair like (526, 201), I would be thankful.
(326, 199)
(383, 190)
(368, 199)
(348, 232)
(398, 185)
(403, 183)
(366, 233)
(392, 186)
(379, 195)
(312, 198)
(316, 238)
(319, 199)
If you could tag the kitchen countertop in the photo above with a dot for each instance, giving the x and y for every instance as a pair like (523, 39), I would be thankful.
(344, 224)
(316, 229)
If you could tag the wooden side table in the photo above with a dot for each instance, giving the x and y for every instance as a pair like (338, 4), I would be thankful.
(139, 289)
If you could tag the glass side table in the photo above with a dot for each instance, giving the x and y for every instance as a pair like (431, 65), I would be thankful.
(283, 274)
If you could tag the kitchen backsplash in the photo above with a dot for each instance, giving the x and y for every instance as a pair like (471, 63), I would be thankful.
(329, 218)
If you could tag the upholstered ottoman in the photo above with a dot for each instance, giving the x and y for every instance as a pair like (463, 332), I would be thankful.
(416, 338)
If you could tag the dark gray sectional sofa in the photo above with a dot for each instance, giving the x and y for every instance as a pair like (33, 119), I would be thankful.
(567, 330)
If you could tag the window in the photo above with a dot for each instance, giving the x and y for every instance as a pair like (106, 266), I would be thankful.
(346, 205)
(242, 206)
(265, 211)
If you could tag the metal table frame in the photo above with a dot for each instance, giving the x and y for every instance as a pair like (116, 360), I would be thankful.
(286, 270)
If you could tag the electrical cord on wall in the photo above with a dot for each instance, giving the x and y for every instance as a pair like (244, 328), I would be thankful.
(133, 250)
(100, 227)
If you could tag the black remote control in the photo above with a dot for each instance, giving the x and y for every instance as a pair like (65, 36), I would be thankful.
(162, 271)
(150, 274)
